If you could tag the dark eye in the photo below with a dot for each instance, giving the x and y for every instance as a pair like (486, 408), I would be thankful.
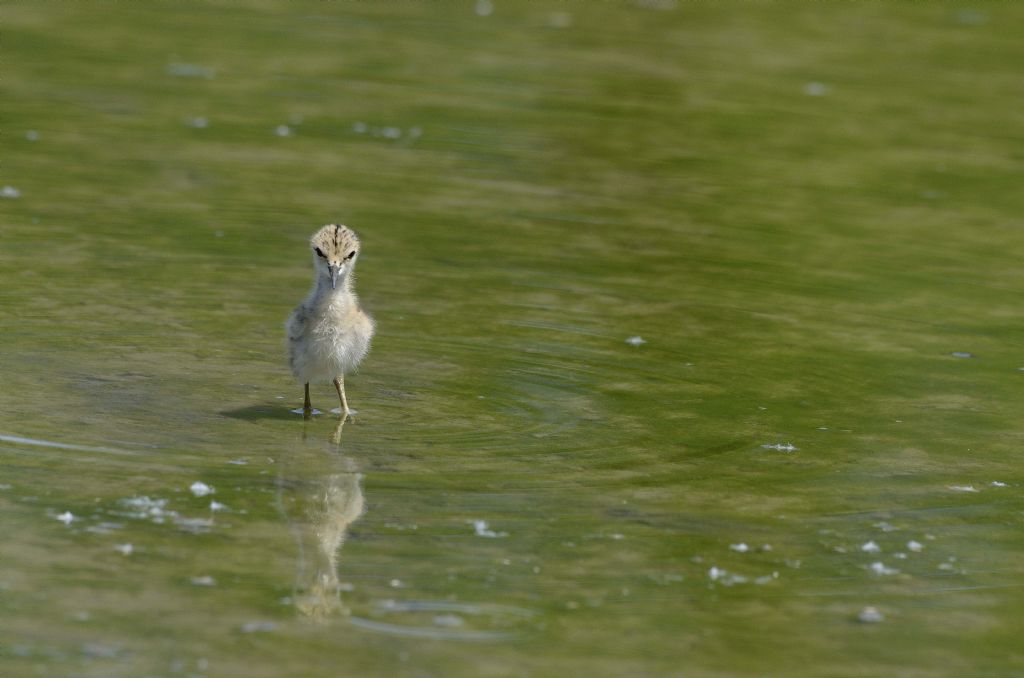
(351, 254)
(319, 253)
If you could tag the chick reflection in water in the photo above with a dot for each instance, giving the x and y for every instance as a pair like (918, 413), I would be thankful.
(321, 495)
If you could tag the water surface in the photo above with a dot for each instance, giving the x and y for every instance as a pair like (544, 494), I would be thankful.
(698, 346)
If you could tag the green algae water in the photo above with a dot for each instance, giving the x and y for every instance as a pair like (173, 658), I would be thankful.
(699, 341)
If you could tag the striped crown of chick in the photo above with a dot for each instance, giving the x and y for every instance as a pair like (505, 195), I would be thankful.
(335, 248)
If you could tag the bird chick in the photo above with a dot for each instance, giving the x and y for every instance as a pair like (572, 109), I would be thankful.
(328, 334)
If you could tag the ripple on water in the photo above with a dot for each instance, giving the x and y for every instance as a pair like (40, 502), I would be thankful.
(443, 620)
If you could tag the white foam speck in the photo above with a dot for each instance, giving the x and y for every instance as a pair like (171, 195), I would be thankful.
(484, 7)
(283, 131)
(32, 135)
(636, 341)
(481, 529)
(996, 483)
(396, 583)
(725, 577)
(9, 192)
(871, 547)
(880, 568)
(360, 128)
(205, 580)
(870, 615)
(200, 489)
(780, 447)
(964, 488)
(124, 549)
(739, 548)
(915, 546)
(67, 517)
(217, 506)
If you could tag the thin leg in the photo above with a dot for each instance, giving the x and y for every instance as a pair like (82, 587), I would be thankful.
(307, 407)
(339, 383)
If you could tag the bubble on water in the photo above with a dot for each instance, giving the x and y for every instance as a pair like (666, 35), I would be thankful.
(217, 506)
(780, 447)
(871, 547)
(283, 131)
(870, 615)
(10, 192)
(200, 489)
(396, 583)
(962, 354)
(67, 517)
(124, 549)
(815, 89)
(723, 576)
(880, 569)
(481, 529)
(144, 507)
(204, 580)
(636, 341)
(739, 548)
(915, 546)
(963, 488)
(996, 483)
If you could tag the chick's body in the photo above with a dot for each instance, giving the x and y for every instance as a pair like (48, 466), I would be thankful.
(328, 333)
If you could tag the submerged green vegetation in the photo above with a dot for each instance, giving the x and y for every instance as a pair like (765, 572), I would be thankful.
(699, 333)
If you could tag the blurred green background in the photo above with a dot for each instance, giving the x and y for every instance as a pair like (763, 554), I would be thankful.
(698, 352)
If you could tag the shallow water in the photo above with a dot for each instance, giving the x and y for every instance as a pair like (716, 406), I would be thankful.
(698, 348)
